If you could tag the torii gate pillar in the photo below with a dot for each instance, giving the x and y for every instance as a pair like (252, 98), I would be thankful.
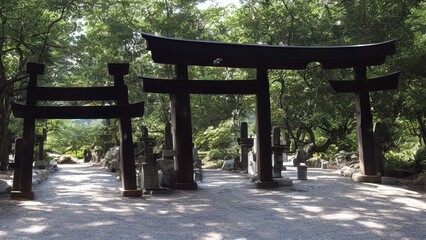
(361, 86)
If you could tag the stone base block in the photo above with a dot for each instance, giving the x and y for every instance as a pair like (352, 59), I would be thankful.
(156, 191)
(302, 172)
(367, 178)
(18, 195)
(284, 181)
(186, 186)
(131, 193)
(276, 175)
(267, 184)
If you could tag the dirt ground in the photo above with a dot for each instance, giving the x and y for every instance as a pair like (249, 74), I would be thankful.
(83, 202)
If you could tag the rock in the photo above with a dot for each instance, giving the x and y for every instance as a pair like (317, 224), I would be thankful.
(113, 153)
(313, 162)
(112, 166)
(421, 179)
(4, 187)
(65, 159)
(53, 165)
(254, 178)
(167, 173)
(348, 171)
(40, 164)
(252, 166)
(228, 164)
(324, 164)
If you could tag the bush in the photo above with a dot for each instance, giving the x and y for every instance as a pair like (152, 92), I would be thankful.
(398, 160)
(225, 153)
(212, 164)
(420, 159)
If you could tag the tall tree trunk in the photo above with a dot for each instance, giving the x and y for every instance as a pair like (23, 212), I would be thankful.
(4, 132)
(422, 127)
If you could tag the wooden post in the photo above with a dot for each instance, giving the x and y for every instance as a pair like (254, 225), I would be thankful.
(25, 189)
(361, 86)
(127, 156)
(364, 125)
(263, 132)
(168, 140)
(17, 167)
(378, 147)
(182, 133)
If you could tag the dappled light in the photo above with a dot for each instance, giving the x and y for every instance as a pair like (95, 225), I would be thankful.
(225, 206)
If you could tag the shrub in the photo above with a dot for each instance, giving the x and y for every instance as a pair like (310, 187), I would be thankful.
(225, 153)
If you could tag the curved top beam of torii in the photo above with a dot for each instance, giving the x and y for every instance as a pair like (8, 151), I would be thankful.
(209, 53)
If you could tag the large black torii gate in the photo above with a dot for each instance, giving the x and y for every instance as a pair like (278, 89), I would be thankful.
(182, 53)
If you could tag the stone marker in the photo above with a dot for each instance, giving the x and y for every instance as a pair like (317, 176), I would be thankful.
(278, 149)
(149, 165)
(246, 144)
(302, 172)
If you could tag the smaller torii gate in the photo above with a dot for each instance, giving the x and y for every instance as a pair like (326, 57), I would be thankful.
(182, 53)
(123, 111)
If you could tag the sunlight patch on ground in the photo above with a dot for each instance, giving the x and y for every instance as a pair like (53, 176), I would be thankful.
(213, 235)
(280, 210)
(163, 212)
(313, 209)
(117, 210)
(212, 224)
(373, 225)
(101, 223)
(300, 197)
(342, 215)
(188, 225)
(412, 204)
(33, 229)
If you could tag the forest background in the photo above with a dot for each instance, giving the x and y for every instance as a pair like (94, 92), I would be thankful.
(77, 38)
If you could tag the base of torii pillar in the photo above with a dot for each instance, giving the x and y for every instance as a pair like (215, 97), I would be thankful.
(266, 184)
(358, 177)
(130, 193)
(186, 186)
(18, 195)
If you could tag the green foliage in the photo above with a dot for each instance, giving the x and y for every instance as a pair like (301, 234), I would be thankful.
(220, 137)
(398, 160)
(73, 136)
(76, 39)
(222, 154)
(214, 164)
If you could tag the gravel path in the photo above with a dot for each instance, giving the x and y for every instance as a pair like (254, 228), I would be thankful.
(83, 202)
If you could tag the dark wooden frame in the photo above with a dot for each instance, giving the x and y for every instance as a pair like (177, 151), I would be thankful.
(22, 188)
(182, 53)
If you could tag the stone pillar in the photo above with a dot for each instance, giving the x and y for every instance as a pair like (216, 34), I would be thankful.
(149, 165)
(40, 141)
(278, 149)
(245, 144)
(277, 152)
(166, 163)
